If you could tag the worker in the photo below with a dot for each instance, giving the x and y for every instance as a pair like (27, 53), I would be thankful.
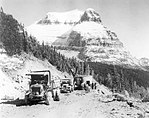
(92, 85)
(95, 86)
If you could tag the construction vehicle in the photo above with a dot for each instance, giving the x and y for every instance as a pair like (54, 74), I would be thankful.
(41, 88)
(66, 85)
(78, 81)
(82, 81)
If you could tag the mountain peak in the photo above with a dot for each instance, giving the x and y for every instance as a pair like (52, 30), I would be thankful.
(89, 9)
(90, 15)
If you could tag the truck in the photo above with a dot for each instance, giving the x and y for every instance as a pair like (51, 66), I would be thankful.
(82, 81)
(78, 81)
(41, 88)
(66, 85)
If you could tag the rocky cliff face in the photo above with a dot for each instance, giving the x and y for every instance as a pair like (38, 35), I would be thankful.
(90, 15)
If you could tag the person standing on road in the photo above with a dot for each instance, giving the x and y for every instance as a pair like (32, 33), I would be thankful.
(92, 85)
(95, 86)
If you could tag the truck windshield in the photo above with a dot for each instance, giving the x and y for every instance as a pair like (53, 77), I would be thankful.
(40, 79)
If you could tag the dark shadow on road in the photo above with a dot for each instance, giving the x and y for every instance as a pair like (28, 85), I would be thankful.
(17, 102)
(20, 102)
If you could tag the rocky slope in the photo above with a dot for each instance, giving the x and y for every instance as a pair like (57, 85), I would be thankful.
(13, 70)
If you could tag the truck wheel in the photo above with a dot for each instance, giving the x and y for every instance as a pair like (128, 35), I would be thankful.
(71, 89)
(27, 102)
(47, 99)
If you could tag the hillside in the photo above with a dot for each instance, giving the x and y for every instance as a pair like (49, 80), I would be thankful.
(14, 82)
(80, 104)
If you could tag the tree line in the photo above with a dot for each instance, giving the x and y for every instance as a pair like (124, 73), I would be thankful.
(119, 78)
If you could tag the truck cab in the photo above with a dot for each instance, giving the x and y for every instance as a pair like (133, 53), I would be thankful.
(66, 85)
(41, 87)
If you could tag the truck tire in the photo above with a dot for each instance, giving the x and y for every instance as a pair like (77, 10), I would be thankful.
(47, 101)
(27, 101)
(48, 98)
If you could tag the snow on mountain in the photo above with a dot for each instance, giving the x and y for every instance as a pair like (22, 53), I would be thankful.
(109, 55)
(90, 15)
(82, 30)
(62, 17)
(90, 30)
(98, 42)
(53, 25)
(47, 33)
(85, 30)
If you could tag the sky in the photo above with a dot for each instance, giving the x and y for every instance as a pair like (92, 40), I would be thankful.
(129, 19)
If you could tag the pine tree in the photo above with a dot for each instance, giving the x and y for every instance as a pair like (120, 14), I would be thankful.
(109, 80)
(115, 79)
(122, 81)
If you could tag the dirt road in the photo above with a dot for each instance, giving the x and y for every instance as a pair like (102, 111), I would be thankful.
(74, 105)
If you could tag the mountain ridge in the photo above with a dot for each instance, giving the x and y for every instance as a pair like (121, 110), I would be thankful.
(68, 17)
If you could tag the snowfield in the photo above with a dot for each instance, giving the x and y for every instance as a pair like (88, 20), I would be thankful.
(47, 33)
(91, 29)
(68, 16)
